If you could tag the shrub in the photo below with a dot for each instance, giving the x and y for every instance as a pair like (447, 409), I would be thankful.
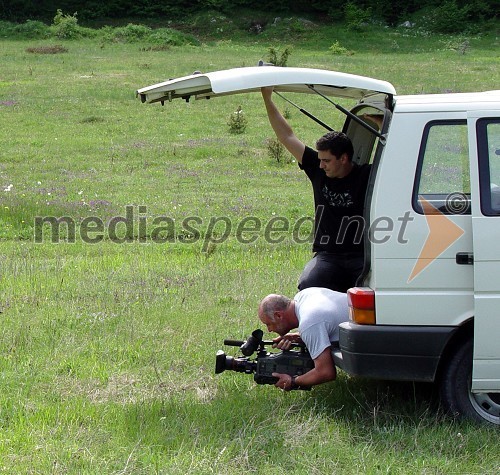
(459, 44)
(65, 26)
(171, 37)
(277, 58)
(30, 29)
(336, 48)
(33, 29)
(356, 17)
(276, 151)
(448, 18)
(130, 33)
(237, 122)
(161, 37)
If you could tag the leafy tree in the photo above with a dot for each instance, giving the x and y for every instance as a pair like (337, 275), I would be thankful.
(390, 11)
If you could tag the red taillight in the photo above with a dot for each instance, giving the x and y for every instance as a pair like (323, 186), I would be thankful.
(361, 305)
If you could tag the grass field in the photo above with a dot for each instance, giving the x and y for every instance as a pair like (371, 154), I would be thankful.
(107, 349)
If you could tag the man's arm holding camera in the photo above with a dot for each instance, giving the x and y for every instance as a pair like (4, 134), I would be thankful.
(324, 371)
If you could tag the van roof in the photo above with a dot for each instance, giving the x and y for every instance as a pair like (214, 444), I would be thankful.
(449, 102)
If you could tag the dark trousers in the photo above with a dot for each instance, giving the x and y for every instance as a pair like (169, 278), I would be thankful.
(334, 271)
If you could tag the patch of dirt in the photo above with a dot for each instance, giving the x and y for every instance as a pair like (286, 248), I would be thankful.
(54, 49)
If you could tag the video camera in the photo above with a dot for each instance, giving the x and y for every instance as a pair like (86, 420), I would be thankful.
(292, 362)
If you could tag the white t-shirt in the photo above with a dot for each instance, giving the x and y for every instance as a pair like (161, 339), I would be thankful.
(320, 311)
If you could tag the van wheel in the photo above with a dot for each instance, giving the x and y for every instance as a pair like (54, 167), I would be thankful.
(456, 394)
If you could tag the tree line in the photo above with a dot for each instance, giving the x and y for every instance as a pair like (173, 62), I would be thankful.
(390, 11)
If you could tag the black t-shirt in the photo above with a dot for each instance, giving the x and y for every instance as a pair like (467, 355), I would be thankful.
(339, 204)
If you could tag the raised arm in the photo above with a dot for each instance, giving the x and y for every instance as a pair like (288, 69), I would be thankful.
(281, 128)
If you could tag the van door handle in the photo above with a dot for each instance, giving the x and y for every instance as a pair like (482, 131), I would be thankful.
(464, 258)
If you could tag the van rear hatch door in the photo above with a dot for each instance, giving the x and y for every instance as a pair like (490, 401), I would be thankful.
(251, 79)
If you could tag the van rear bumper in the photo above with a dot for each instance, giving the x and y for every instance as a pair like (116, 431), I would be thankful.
(402, 353)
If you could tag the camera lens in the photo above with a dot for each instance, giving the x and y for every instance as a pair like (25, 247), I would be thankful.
(220, 362)
(241, 365)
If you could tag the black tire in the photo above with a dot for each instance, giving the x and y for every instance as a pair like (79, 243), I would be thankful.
(456, 394)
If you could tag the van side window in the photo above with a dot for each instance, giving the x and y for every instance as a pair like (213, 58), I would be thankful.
(442, 177)
(488, 139)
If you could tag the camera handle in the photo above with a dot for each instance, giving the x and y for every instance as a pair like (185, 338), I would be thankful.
(263, 343)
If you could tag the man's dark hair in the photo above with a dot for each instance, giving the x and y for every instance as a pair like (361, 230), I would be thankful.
(337, 143)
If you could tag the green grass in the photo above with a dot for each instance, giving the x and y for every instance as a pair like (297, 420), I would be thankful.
(107, 350)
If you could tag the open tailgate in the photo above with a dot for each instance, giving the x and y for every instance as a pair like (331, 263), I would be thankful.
(251, 79)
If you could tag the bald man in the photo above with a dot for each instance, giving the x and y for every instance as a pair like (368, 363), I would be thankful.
(317, 313)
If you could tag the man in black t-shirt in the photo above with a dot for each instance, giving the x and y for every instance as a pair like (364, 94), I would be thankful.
(339, 187)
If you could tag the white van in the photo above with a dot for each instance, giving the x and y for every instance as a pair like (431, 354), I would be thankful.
(427, 306)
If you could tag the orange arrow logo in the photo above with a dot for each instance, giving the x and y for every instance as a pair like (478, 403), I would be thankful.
(443, 232)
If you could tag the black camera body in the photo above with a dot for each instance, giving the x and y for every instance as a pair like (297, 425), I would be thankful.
(294, 362)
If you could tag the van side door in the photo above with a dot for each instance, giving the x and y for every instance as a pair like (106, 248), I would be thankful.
(421, 220)
(484, 139)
